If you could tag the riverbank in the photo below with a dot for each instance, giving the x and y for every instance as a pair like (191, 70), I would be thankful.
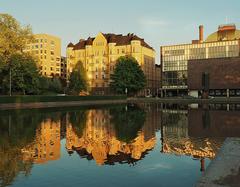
(35, 105)
(187, 100)
(28, 102)
(224, 170)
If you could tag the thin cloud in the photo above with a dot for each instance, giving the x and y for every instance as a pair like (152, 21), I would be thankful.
(152, 22)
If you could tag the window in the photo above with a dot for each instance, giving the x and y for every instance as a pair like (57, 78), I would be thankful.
(52, 53)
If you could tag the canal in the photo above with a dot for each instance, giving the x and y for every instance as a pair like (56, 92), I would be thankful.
(119, 145)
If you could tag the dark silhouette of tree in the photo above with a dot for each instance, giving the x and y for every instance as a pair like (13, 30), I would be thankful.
(128, 121)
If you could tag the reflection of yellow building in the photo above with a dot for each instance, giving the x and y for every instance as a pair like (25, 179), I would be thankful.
(47, 50)
(100, 141)
(46, 146)
(192, 147)
(99, 56)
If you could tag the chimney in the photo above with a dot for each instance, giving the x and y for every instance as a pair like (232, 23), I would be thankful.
(201, 33)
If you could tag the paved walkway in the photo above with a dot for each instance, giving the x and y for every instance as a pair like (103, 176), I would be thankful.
(224, 170)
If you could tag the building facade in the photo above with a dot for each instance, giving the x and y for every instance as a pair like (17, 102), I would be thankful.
(63, 68)
(47, 50)
(175, 58)
(99, 56)
(222, 77)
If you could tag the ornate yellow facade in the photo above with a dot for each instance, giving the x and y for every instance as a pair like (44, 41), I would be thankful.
(99, 56)
(47, 50)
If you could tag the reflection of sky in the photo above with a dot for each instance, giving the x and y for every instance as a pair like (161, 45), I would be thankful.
(156, 169)
(160, 22)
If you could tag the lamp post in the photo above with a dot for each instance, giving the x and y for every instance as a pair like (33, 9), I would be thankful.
(10, 81)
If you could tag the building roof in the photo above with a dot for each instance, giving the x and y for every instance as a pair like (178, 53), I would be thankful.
(70, 45)
(225, 32)
(119, 39)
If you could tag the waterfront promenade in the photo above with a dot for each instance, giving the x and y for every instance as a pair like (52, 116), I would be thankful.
(224, 170)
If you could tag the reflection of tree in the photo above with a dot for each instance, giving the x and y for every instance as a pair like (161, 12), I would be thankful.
(78, 120)
(17, 129)
(127, 122)
(11, 165)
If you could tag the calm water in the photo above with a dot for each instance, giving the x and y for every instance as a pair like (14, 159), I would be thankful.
(123, 145)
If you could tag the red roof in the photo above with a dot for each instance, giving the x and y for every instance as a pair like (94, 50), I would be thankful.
(227, 27)
(119, 39)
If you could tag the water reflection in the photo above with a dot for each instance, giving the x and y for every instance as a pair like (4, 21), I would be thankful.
(112, 135)
(122, 134)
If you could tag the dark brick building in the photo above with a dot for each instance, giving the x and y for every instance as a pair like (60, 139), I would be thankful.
(223, 76)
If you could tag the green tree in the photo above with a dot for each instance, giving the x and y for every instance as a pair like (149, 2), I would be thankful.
(50, 85)
(78, 79)
(55, 85)
(13, 36)
(24, 74)
(127, 75)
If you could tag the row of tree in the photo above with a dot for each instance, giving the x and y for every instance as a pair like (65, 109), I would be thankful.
(19, 73)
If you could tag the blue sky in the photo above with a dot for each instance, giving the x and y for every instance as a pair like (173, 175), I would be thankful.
(159, 22)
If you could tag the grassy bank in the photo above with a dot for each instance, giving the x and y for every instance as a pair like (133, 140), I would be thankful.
(35, 99)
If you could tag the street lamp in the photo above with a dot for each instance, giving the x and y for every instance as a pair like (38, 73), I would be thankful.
(10, 80)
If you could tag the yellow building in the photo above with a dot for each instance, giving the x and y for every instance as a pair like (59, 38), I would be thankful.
(99, 56)
(47, 50)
